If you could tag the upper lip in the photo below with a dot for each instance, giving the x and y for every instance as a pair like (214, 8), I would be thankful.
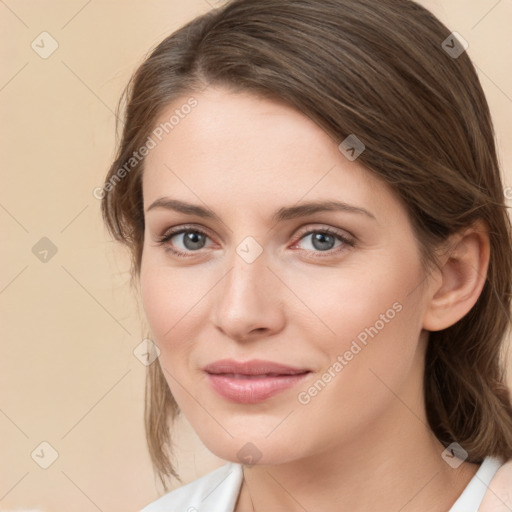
(252, 367)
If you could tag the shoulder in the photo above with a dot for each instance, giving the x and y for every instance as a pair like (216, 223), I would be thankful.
(498, 497)
(217, 490)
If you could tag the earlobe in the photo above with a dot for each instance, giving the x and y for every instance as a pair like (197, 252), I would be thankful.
(462, 275)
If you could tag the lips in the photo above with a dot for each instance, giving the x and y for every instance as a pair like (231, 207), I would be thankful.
(252, 381)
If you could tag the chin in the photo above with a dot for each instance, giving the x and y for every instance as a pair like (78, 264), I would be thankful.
(251, 451)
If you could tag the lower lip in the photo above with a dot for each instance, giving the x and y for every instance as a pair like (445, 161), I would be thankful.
(252, 390)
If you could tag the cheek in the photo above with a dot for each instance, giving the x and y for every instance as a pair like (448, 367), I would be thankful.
(175, 302)
(165, 307)
(166, 292)
(168, 296)
(364, 302)
(155, 300)
(376, 318)
(377, 323)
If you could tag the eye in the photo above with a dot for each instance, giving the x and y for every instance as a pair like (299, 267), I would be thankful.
(187, 240)
(324, 240)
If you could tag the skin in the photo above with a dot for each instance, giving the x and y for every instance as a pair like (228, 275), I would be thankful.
(364, 438)
(498, 497)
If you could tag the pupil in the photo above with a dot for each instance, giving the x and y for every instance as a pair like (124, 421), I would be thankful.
(320, 243)
(193, 240)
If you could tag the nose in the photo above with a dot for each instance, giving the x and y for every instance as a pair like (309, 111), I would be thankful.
(249, 301)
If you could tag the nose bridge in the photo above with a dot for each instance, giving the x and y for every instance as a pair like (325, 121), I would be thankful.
(247, 277)
(243, 301)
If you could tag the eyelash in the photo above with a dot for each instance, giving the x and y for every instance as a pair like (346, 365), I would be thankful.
(162, 240)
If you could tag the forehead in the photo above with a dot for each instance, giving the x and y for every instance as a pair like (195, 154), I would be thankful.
(242, 148)
(231, 125)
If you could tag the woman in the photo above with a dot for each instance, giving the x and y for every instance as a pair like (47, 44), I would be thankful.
(311, 195)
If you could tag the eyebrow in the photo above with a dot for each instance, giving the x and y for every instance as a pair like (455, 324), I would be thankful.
(284, 213)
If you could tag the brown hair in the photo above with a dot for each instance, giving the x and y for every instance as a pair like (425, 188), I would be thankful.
(378, 70)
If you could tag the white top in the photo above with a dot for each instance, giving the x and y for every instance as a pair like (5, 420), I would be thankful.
(218, 491)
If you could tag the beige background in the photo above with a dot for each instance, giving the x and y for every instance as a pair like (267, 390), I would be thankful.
(68, 375)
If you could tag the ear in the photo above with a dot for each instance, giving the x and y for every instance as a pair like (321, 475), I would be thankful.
(460, 278)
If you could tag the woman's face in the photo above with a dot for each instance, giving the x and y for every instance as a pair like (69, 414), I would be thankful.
(237, 269)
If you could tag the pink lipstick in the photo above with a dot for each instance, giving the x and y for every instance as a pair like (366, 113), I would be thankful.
(251, 381)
